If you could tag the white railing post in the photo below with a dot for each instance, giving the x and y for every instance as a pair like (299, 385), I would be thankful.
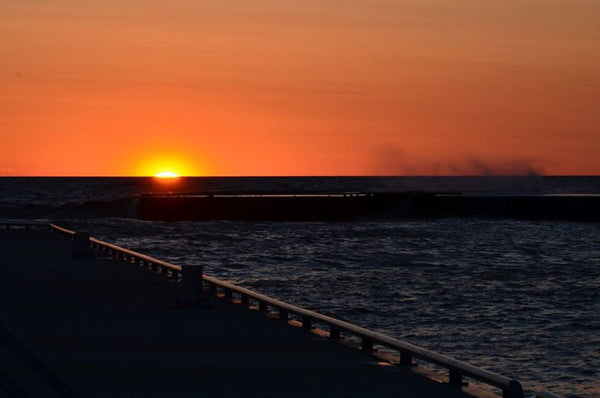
(81, 245)
(191, 285)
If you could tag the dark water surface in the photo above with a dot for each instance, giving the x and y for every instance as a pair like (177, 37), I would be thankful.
(521, 298)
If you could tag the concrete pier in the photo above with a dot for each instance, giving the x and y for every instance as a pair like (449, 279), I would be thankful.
(104, 327)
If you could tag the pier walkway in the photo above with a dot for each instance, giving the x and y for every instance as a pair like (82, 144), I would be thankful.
(102, 327)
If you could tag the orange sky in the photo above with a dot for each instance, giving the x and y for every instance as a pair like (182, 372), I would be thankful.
(270, 87)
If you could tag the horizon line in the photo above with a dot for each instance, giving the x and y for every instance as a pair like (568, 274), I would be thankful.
(309, 176)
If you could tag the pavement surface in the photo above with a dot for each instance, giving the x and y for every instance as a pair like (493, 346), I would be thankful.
(102, 327)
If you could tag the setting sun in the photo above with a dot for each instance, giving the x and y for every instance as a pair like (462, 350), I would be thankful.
(177, 163)
(167, 174)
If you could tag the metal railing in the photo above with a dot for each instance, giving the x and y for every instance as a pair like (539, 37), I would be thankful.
(457, 369)
(155, 264)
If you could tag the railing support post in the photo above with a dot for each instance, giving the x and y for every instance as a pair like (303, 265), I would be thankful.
(283, 314)
(81, 245)
(367, 344)
(306, 322)
(405, 359)
(334, 333)
(455, 378)
(514, 390)
(191, 285)
(245, 300)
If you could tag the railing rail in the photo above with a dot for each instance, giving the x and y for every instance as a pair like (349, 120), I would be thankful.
(59, 229)
(457, 369)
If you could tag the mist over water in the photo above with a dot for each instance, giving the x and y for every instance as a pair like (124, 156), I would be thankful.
(521, 298)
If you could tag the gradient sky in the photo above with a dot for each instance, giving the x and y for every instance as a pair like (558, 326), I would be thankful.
(271, 87)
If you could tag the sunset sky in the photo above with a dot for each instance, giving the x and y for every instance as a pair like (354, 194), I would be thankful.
(272, 87)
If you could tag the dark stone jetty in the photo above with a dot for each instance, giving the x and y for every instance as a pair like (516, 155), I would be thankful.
(345, 206)
(72, 325)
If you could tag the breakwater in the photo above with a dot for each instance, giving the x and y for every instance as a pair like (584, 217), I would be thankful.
(343, 206)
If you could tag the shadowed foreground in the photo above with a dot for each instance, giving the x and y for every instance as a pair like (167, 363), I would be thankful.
(102, 327)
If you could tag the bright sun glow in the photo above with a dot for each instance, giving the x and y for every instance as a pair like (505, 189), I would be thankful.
(164, 166)
(167, 174)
